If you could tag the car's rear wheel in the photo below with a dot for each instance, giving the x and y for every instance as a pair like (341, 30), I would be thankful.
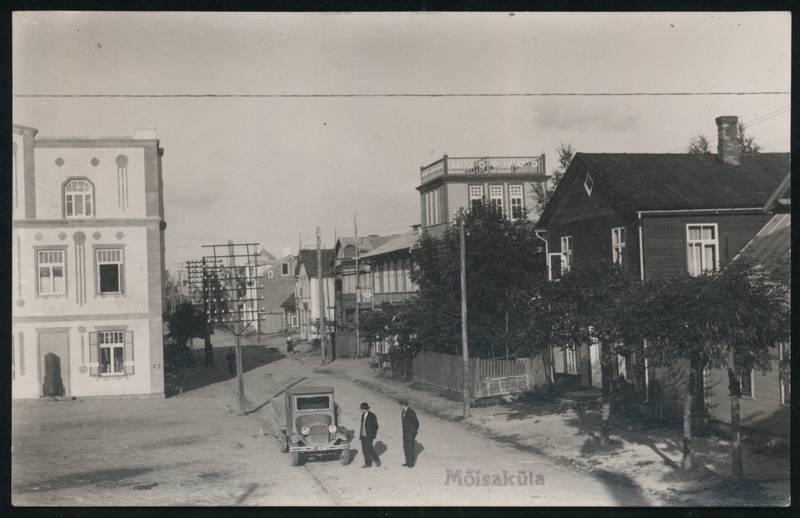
(345, 457)
(284, 442)
(296, 460)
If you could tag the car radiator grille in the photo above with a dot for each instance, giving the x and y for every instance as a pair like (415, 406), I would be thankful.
(318, 434)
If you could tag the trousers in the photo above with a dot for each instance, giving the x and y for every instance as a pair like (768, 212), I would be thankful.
(369, 452)
(408, 448)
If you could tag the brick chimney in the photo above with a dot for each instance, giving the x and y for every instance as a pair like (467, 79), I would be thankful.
(728, 139)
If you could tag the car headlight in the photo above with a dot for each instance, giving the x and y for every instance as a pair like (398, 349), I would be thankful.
(305, 430)
(332, 428)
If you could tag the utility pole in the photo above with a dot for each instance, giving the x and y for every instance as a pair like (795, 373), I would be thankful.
(464, 343)
(322, 343)
(358, 285)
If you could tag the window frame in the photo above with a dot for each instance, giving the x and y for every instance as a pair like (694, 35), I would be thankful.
(120, 271)
(742, 375)
(702, 243)
(112, 354)
(571, 352)
(566, 253)
(284, 266)
(495, 199)
(36, 251)
(471, 197)
(514, 197)
(91, 193)
(618, 246)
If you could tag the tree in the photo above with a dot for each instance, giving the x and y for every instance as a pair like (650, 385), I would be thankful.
(185, 323)
(674, 323)
(502, 263)
(542, 192)
(395, 325)
(749, 314)
(747, 144)
(596, 301)
(699, 145)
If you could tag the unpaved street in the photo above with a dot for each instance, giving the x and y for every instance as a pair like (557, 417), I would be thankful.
(192, 449)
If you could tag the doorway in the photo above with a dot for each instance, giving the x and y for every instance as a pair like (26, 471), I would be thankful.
(54, 363)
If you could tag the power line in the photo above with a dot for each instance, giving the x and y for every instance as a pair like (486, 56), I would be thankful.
(367, 95)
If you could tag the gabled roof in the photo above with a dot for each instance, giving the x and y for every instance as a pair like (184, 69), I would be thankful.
(290, 301)
(658, 181)
(366, 243)
(309, 259)
(401, 242)
(771, 247)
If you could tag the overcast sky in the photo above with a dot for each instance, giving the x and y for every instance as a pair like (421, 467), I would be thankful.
(268, 169)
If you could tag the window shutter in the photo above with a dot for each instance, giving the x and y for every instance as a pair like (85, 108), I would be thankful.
(94, 354)
(128, 352)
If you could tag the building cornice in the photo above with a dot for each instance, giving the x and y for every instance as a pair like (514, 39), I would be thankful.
(481, 178)
(97, 222)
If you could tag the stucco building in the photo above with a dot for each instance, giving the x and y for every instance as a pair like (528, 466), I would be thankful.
(88, 263)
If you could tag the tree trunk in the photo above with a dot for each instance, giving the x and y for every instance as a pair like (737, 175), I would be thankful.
(605, 369)
(734, 389)
(687, 462)
(209, 351)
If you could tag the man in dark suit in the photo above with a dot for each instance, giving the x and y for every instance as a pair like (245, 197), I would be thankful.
(410, 428)
(369, 430)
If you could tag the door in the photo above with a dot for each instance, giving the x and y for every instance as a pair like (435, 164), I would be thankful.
(54, 364)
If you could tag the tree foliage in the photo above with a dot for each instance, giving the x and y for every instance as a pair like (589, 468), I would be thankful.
(503, 264)
(699, 145)
(543, 191)
(746, 143)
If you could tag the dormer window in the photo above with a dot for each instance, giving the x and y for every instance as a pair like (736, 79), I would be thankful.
(78, 198)
(588, 183)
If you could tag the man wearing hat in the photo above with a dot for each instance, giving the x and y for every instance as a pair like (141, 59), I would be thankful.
(410, 427)
(369, 430)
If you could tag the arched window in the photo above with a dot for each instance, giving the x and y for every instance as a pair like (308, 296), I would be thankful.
(78, 198)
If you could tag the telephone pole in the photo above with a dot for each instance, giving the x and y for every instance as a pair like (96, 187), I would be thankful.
(358, 285)
(464, 342)
(322, 344)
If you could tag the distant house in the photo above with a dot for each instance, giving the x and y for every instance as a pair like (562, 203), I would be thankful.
(655, 215)
(346, 250)
(505, 183)
(290, 314)
(390, 270)
(766, 396)
(307, 290)
(279, 282)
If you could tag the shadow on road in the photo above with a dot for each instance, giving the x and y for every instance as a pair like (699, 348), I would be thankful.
(93, 478)
(199, 375)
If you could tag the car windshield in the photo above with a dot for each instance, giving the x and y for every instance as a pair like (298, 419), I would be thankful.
(313, 402)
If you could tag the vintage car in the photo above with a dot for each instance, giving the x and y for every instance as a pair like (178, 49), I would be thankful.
(308, 424)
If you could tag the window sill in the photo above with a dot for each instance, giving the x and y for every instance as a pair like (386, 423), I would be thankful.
(114, 375)
(119, 294)
(52, 296)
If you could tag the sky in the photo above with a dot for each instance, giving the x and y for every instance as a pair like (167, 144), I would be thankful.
(273, 169)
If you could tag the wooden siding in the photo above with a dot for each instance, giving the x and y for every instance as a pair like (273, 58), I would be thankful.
(664, 239)
(763, 412)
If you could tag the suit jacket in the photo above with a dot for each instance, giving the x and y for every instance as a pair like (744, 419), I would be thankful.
(410, 422)
(370, 426)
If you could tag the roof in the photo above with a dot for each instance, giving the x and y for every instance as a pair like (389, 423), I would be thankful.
(677, 181)
(290, 301)
(401, 242)
(366, 243)
(772, 245)
(309, 390)
(781, 199)
(309, 259)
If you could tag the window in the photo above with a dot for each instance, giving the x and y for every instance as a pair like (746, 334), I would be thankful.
(475, 196)
(746, 384)
(284, 269)
(618, 245)
(313, 403)
(270, 274)
(566, 253)
(517, 207)
(112, 352)
(294, 321)
(51, 272)
(109, 270)
(702, 248)
(588, 184)
(496, 198)
(571, 360)
(623, 373)
(78, 198)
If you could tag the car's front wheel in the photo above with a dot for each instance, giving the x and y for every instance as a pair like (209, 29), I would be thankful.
(345, 457)
(296, 460)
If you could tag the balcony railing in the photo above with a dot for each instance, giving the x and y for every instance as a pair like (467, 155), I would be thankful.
(523, 165)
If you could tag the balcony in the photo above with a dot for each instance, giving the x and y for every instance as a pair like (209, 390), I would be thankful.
(397, 297)
(483, 166)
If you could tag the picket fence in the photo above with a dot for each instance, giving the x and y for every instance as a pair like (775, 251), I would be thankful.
(487, 377)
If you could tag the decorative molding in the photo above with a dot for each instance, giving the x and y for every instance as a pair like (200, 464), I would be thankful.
(85, 317)
(38, 236)
(120, 234)
(97, 235)
(85, 222)
(59, 161)
(94, 161)
(62, 236)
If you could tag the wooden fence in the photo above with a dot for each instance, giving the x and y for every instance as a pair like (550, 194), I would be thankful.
(488, 377)
(346, 344)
